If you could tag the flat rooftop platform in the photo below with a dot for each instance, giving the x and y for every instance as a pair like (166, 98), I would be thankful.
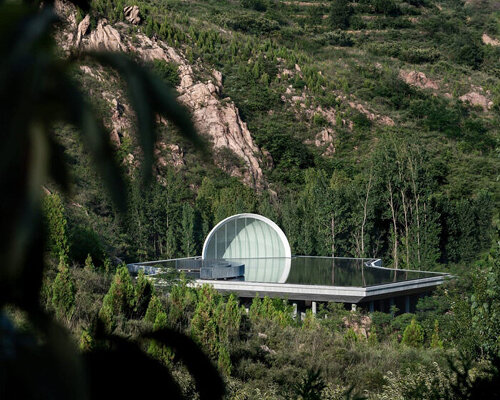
(346, 280)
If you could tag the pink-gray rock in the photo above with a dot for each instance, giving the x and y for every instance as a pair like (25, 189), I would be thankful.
(418, 79)
(82, 29)
(477, 99)
(131, 14)
(105, 37)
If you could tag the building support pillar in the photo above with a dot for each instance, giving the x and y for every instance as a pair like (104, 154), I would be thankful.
(313, 307)
(353, 307)
(294, 310)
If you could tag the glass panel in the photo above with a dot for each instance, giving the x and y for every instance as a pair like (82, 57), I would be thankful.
(210, 254)
(240, 245)
(221, 242)
(231, 250)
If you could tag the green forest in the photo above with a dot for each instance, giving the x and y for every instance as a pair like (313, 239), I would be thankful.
(377, 129)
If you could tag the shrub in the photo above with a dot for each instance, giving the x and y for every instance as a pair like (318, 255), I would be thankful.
(350, 337)
(340, 11)
(386, 7)
(413, 335)
(254, 24)
(373, 338)
(55, 223)
(436, 342)
(468, 50)
(63, 292)
(402, 321)
(154, 308)
(85, 242)
(169, 72)
(143, 292)
(159, 351)
(335, 38)
(257, 5)
(86, 341)
(120, 299)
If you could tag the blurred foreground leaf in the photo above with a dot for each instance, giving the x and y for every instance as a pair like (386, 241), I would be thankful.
(36, 92)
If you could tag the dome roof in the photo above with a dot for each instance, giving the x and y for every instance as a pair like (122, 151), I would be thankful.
(251, 237)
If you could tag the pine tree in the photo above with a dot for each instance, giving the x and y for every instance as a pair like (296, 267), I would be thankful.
(231, 318)
(120, 299)
(170, 242)
(63, 292)
(154, 308)
(436, 342)
(204, 324)
(108, 267)
(413, 334)
(310, 322)
(255, 308)
(143, 291)
(89, 265)
(55, 221)
(224, 360)
(350, 337)
(188, 234)
(159, 351)
(86, 341)
(373, 338)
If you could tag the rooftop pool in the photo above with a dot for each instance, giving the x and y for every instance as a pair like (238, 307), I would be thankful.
(298, 270)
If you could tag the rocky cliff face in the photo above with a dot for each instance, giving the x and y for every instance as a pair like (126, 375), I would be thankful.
(214, 117)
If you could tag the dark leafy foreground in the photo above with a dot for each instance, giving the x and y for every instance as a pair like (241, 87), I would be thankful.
(35, 93)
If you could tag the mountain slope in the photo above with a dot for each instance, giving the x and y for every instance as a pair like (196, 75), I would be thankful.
(368, 128)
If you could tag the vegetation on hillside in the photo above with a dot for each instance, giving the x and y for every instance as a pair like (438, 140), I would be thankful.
(407, 173)
(418, 193)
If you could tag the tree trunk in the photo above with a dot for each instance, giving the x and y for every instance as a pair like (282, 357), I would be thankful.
(365, 206)
(416, 197)
(394, 222)
(332, 225)
(407, 231)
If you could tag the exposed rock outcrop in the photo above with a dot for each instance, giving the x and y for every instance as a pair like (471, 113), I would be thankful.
(418, 79)
(120, 122)
(169, 154)
(477, 99)
(382, 119)
(489, 40)
(131, 14)
(82, 29)
(105, 37)
(324, 139)
(219, 120)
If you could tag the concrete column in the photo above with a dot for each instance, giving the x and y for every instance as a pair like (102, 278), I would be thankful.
(407, 304)
(372, 306)
(313, 306)
(246, 310)
(294, 310)
(302, 316)
(353, 307)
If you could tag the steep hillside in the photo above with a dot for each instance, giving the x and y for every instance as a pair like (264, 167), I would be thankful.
(367, 128)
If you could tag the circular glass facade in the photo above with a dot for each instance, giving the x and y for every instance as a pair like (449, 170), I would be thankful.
(251, 237)
(246, 236)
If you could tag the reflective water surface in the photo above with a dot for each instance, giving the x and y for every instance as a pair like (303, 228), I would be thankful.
(303, 270)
